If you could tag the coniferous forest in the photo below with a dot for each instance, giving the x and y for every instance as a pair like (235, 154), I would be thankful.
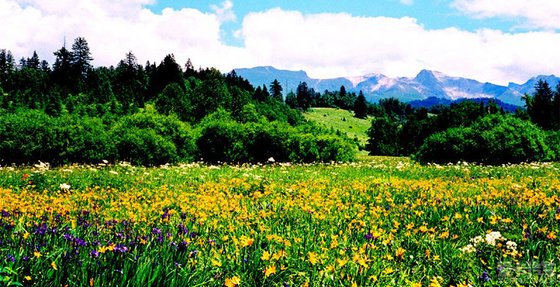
(157, 113)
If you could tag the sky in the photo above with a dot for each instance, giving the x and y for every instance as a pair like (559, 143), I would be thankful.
(498, 41)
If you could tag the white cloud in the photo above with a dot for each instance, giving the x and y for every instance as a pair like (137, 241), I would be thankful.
(534, 14)
(225, 12)
(325, 45)
(112, 28)
(407, 2)
(328, 45)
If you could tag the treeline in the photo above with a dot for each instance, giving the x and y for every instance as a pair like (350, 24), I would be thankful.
(470, 131)
(72, 112)
(305, 98)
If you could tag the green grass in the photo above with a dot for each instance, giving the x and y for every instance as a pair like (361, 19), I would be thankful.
(341, 120)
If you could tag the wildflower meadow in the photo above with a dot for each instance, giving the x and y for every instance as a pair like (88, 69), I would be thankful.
(378, 222)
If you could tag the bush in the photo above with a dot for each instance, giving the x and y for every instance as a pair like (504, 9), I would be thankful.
(148, 138)
(81, 140)
(25, 137)
(221, 139)
(29, 136)
(494, 139)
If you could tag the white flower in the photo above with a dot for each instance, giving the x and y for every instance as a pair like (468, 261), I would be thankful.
(468, 249)
(64, 186)
(511, 245)
(271, 160)
(477, 240)
(492, 237)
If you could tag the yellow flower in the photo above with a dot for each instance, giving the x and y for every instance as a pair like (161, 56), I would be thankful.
(53, 265)
(435, 282)
(216, 263)
(551, 235)
(400, 252)
(27, 278)
(37, 254)
(313, 259)
(233, 281)
(269, 270)
(265, 256)
(341, 262)
(246, 241)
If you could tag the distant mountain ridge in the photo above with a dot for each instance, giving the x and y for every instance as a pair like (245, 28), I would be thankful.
(426, 84)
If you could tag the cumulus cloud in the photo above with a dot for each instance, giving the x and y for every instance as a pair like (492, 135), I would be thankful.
(535, 14)
(224, 12)
(325, 45)
(330, 45)
(113, 28)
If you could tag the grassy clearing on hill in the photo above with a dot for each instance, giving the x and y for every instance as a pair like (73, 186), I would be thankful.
(341, 120)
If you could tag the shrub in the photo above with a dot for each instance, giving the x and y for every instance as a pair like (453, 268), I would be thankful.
(221, 139)
(494, 139)
(149, 138)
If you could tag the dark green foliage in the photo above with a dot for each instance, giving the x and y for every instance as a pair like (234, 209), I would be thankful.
(224, 140)
(148, 138)
(276, 90)
(383, 137)
(360, 107)
(543, 107)
(30, 136)
(76, 113)
(303, 96)
(494, 139)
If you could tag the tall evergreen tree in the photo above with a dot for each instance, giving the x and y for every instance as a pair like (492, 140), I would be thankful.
(62, 70)
(276, 90)
(303, 95)
(360, 106)
(540, 106)
(7, 67)
(81, 59)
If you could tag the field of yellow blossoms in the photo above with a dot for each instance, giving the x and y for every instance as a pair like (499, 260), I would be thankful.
(380, 222)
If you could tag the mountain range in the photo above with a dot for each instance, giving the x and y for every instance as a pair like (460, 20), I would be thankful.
(427, 84)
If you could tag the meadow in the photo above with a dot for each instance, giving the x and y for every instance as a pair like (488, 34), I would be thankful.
(377, 222)
(341, 120)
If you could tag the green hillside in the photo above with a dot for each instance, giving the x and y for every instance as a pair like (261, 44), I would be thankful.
(341, 120)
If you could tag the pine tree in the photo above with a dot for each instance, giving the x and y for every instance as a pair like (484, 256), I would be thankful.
(360, 107)
(540, 105)
(276, 90)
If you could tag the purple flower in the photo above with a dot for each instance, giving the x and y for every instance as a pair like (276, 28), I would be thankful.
(94, 253)
(11, 258)
(5, 213)
(484, 277)
(182, 229)
(120, 248)
(368, 236)
(156, 231)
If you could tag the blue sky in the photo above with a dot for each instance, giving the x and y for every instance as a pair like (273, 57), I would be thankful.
(432, 14)
(497, 41)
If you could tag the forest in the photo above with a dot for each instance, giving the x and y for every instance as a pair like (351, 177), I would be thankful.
(161, 113)
(158, 113)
